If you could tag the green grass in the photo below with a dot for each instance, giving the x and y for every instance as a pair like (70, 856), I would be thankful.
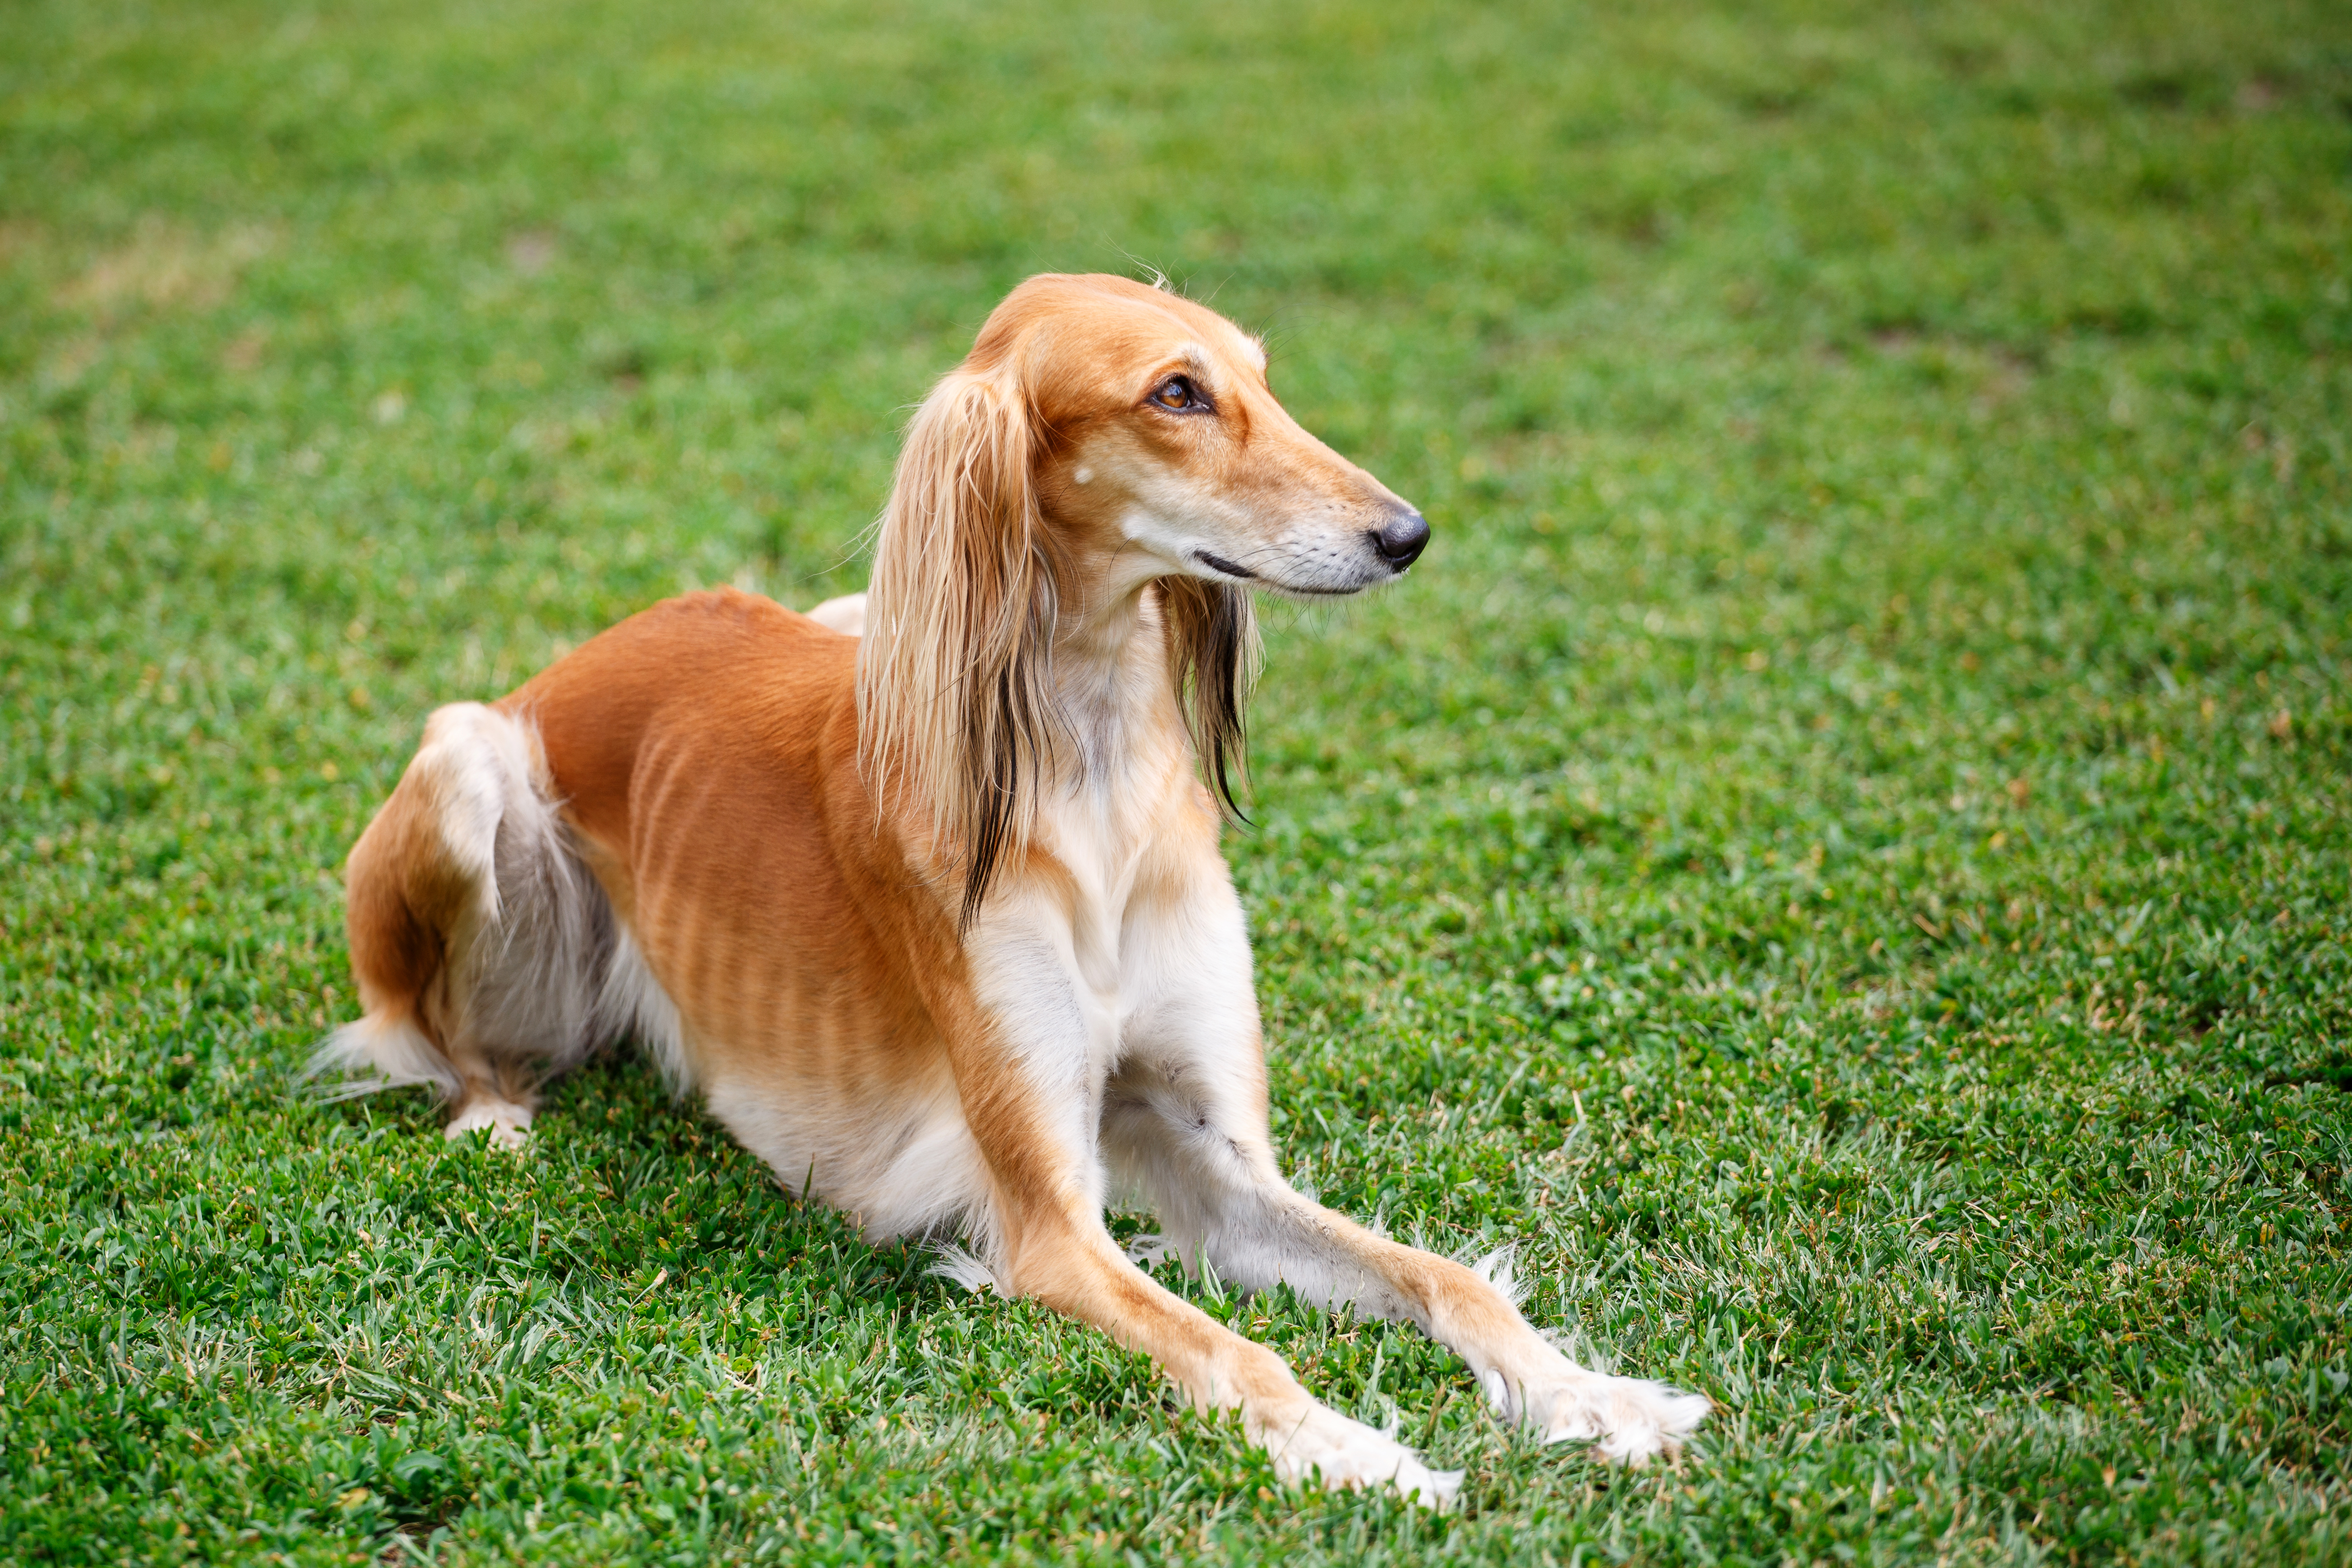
(1841, 849)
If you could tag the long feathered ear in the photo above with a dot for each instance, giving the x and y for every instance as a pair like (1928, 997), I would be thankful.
(957, 719)
(1213, 644)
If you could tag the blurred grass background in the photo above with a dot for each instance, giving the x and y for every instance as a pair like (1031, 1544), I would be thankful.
(1838, 849)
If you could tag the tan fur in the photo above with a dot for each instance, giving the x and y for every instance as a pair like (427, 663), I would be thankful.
(935, 918)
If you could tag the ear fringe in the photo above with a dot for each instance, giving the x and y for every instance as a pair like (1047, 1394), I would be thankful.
(957, 723)
(1213, 660)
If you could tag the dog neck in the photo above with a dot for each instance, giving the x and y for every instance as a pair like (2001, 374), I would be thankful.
(1112, 678)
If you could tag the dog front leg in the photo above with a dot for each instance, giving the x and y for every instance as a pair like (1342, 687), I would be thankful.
(1197, 1142)
(1030, 1057)
(1529, 1380)
(1057, 1253)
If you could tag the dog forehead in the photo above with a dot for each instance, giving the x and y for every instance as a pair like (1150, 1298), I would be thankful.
(1111, 320)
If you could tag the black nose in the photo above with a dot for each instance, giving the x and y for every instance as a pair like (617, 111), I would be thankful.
(1401, 539)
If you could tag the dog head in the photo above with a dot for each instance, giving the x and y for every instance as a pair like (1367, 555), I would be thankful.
(1157, 444)
(1103, 437)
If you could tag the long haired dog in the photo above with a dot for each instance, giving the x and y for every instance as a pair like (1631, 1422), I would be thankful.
(935, 916)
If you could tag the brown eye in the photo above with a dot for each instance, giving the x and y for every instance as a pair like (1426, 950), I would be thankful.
(1176, 394)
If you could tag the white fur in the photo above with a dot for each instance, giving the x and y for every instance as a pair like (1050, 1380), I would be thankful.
(509, 1123)
(911, 1169)
(845, 614)
(1321, 1445)
(1628, 1419)
(371, 1054)
(961, 1267)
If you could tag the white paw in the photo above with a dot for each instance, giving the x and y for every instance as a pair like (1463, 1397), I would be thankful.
(1320, 1444)
(1628, 1419)
(509, 1124)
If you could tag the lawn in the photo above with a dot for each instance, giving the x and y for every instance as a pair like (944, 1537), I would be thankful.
(1840, 851)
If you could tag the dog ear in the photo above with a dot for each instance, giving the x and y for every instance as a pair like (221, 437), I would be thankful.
(1213, 657)
(957, 721)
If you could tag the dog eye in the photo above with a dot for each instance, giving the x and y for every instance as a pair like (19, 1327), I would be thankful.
(1177, 394)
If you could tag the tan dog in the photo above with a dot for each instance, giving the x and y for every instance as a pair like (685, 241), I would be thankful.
(935, 919)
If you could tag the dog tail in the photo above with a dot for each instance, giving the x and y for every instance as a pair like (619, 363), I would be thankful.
(380, 1051)
(480, 943)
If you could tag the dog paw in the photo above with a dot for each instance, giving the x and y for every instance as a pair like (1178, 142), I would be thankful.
(509, 1124)
(1628, 1419)
(1323, 1446)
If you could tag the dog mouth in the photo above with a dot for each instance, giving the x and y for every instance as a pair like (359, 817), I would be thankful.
(1241, 574)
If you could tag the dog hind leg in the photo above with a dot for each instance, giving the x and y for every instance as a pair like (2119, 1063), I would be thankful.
(480, 943)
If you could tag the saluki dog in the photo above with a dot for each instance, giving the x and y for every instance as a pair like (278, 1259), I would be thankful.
(934, 916)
